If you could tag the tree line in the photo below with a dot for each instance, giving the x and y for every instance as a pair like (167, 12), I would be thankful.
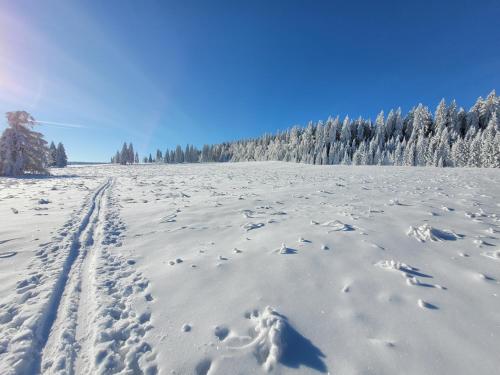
(23, 150)
(126, 155)
(449, 137)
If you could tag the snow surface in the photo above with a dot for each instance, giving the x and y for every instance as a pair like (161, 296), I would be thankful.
(248, 268)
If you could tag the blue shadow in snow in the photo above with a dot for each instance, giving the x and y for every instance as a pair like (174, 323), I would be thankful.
(300, 351)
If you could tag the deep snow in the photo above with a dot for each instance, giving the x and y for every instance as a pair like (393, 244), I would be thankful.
(249, 268)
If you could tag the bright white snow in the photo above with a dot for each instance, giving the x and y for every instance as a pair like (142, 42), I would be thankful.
(250, 268)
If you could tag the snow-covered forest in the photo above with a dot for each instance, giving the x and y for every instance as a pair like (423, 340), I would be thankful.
(450, 137)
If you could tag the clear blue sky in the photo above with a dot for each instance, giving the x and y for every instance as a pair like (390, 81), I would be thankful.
(160, 73)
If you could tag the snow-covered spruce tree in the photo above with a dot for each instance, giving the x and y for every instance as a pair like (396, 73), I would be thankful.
(475, 151)
(61, 158)
(22, 149)
(459, 153)
(159, 157)
(489, 146)
(130, 154)
(52, 156)
(124, 154)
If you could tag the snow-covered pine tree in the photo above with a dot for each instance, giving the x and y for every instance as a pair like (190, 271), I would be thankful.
(459, 153)
(346, 159)
(410, 154)
(159, 157)
(496, 152)
(475, 151)
(61, 158)
(130, 153)
(440, 117)
(22, 149)
(421, 149)
(124, 154)
(380, 129)
(52, 156)
(179, 154)
(489, 153)
(345, 133)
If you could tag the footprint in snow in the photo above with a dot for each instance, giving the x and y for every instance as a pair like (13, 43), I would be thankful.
(285, 250)
(271, 340)
(427, 233)
(485, 277)
(203, 367)
(221, 332)
(410, 273)
(426, 305)
(252, 226)
(492, 254)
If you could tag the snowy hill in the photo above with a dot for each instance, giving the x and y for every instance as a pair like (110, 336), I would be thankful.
(248, 268)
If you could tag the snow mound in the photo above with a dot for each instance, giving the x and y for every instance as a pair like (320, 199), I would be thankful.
(337, 226)
(394, 265)
(427, 233)
(426, 305)
(269, 343)
(283, 249)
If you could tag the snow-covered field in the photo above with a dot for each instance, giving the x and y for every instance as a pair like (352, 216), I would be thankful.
(251, 267)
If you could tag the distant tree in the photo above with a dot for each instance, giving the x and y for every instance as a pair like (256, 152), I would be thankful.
(159, 157)
(489, 149)
(345, 133)
(130, 154)
(61, 158)
(124, 154)
(52, 156)
(136, 158)
(22, 149)
(150, 160)
(179, 154)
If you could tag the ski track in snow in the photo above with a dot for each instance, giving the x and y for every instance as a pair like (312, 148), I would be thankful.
(76, 306)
